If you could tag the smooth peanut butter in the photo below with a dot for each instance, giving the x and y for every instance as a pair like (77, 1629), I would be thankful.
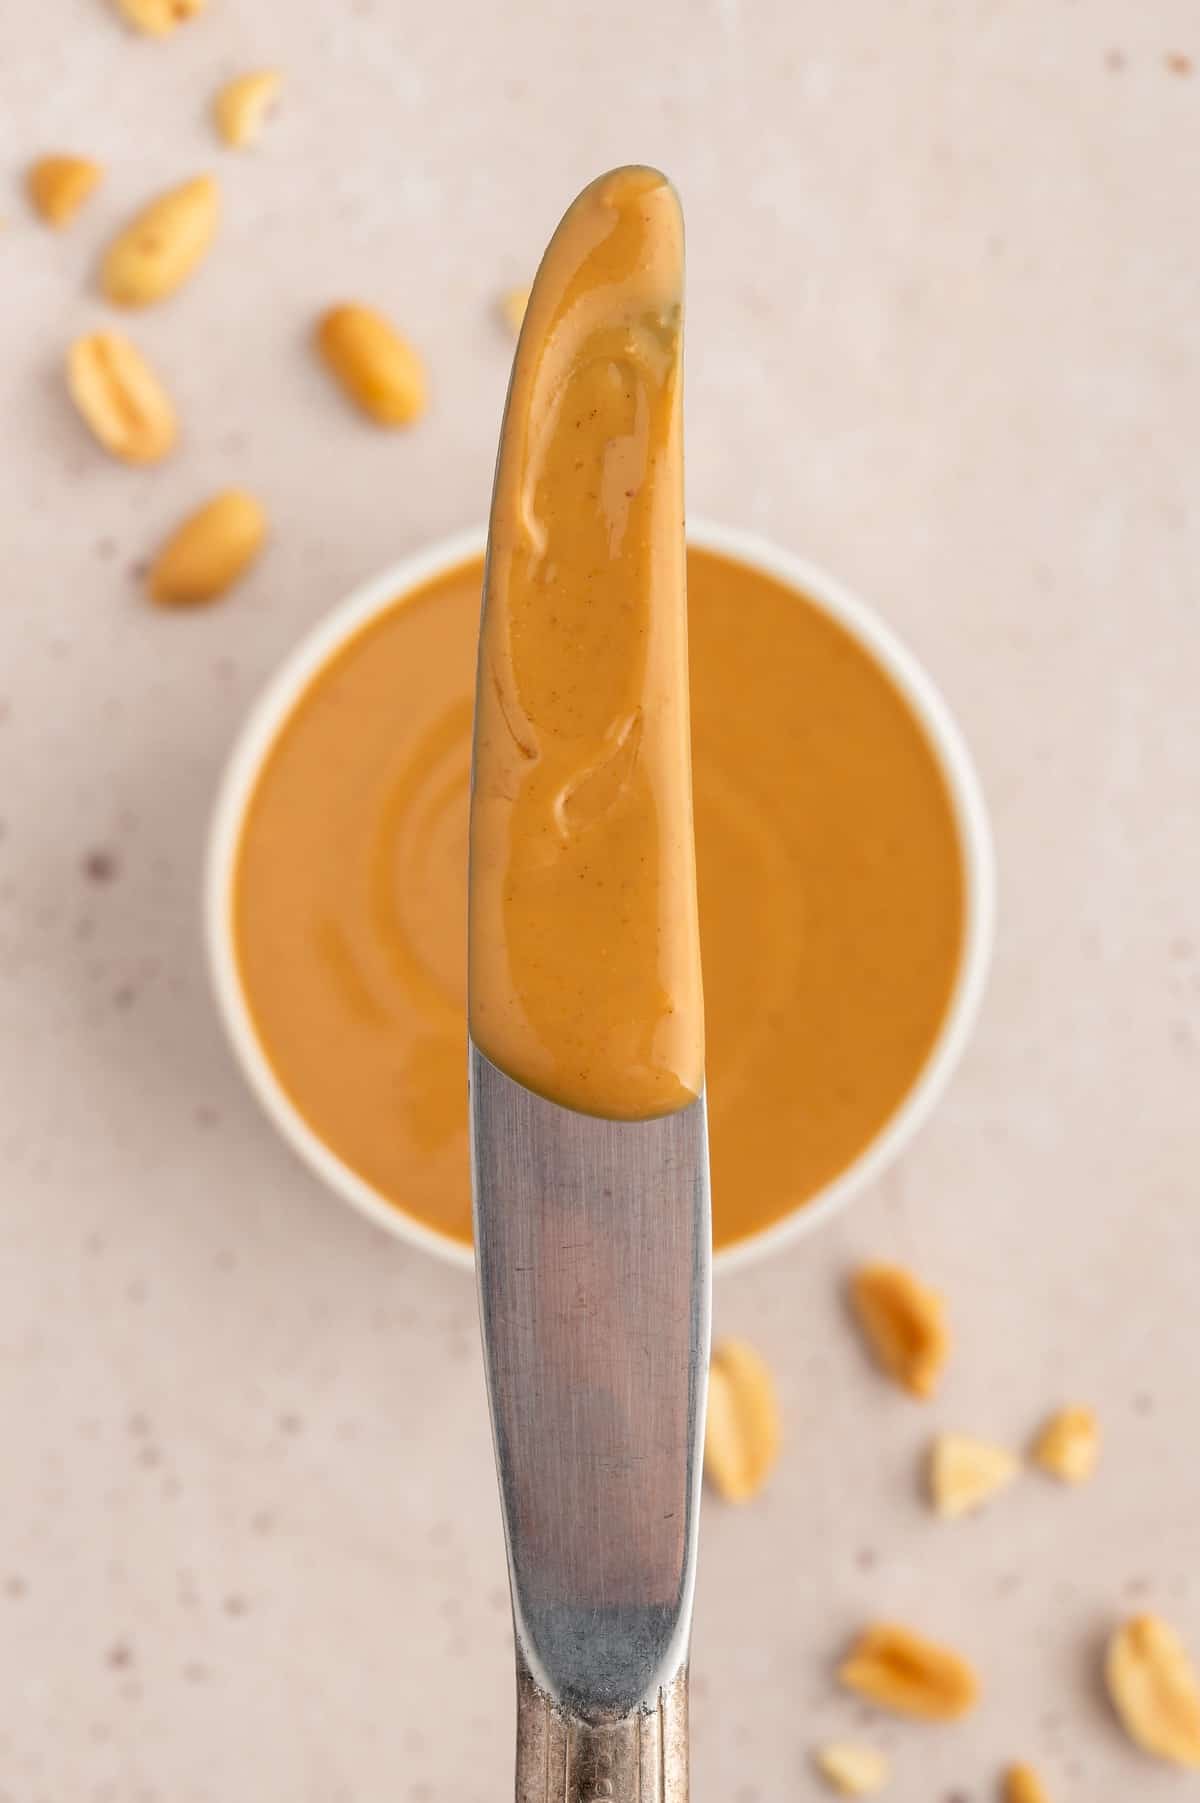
(830, 884)
(584, 970)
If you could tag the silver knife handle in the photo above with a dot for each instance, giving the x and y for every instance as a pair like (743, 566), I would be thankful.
(638, 1758)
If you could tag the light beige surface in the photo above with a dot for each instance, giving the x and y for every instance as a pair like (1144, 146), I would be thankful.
(943, 337)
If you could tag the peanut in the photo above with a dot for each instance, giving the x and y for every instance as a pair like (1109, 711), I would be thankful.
(898, 1670)
(1154, 1689)
(121, 398)
(376, 367)
(1068, 1445)
(852, 1771)
(209, 551)
(513, 305)
(1022, 1785)
(241, 106)
(163, 245)
(157, 18)
(904, 1324)
(742, 1440)
(59, 185)
(964, 1473)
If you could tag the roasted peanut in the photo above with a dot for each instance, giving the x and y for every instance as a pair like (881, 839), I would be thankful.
(513, 305)
(377, 368)
(964, 1473)
(1022, 1785)
(742, 1440)
(1068, 1445)
(120, 397)
(209, 551)
(852, 1771)
(242, 105)
(157, 18)
(163, 245)
(59, 185)
(895, 1668)
(904, 1324)
(1154, 1689)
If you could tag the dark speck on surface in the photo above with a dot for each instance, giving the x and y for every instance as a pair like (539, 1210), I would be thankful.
(235, 1605)
(101, 865)
(290, 1424)
(120, 1656)
(1115, 60)
(1179, 63)
(1143, 1404)
(194, 1672)
(106, 548)
(15, 1588)
(124, 996)
(866, 1558)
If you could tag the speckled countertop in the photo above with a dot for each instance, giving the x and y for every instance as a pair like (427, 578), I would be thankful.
(943, 338)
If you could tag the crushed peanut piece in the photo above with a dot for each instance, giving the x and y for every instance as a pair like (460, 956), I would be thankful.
(209, 551)
(160, 248)
(1022, 1785)
(852, 1771)
(513, 305)
(1068, 1446)
(121, 398)
(241, 106)
(1154, 1689)
(376, 367)
(964, 1473)
(741, 1442)
(897, 1669)
(157, 18)
(59, 185)
(904, 1323)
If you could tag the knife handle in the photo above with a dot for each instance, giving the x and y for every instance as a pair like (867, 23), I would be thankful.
(638, 1758)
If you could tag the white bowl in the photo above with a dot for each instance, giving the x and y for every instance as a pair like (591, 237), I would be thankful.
(907, 675)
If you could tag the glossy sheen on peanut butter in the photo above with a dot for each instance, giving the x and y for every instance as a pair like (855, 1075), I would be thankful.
(831, 896)
(584, 977)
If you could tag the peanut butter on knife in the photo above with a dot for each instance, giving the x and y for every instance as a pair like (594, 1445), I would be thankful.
(585, 963)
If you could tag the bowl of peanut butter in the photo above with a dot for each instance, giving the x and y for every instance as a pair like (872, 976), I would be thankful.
(844, 867)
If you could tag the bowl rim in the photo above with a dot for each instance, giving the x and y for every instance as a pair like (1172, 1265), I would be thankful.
(335, 629)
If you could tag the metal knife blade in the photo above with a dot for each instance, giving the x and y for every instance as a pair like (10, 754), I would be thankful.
(593, 1249)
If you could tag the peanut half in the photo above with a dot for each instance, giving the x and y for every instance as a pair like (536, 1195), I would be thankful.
(120, 398)
(1022, 1785)
(741, 1443)
(964, 1473)
(897, 1669)
(241, 106)
(376, 367)
(1154, 1689)
(163, 245)
(209, 551)
(904, 1324)
(850, 1770)
(512, 307)
(1068, 1445)
(59, 185)
(157, 18)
